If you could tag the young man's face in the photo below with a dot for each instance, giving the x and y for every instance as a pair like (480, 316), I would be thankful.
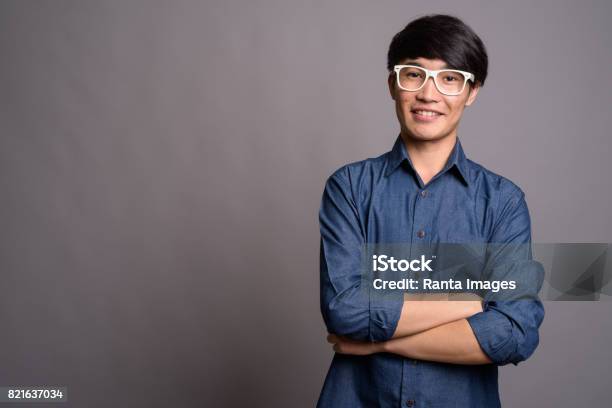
(449, 108)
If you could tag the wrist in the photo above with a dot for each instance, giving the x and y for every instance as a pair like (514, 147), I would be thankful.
(381, 347)
(477, 307)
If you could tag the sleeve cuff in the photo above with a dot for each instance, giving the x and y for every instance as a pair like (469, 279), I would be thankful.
(385, 313)
(494, 334)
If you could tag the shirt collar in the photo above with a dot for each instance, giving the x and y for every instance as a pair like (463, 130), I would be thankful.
(457, 159)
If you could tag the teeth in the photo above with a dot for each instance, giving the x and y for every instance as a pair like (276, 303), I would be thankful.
(427, 113)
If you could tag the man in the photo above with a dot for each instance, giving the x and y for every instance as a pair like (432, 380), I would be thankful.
(410, 352)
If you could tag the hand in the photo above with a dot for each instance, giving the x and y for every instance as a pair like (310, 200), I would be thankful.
(475, 302)
(344, 345)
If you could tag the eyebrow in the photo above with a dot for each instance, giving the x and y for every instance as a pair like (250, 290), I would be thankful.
(445, 66)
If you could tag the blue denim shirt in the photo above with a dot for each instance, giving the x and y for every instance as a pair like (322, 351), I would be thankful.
(383, 199)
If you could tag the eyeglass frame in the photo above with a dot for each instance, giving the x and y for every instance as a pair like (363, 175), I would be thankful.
(433, 73)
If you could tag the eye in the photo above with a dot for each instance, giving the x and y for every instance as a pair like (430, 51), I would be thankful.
(451, 76)
(413, 74)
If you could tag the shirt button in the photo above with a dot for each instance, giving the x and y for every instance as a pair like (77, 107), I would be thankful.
(410, 403)
(424, 193)
(420, 233)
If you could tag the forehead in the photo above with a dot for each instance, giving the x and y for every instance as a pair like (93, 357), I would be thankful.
(432, 64)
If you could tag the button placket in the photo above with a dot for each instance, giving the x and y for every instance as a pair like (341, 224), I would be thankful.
(421, 216)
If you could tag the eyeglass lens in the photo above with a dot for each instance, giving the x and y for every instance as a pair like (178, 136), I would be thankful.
(412, 78)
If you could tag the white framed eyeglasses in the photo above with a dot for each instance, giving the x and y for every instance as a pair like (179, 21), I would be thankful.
(448, 81)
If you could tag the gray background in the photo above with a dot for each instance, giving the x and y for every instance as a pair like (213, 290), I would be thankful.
(162, 164)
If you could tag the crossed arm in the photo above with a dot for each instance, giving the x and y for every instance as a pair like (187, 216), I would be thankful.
(461, 332)
(428, 329)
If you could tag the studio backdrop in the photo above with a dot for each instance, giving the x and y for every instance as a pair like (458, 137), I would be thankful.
(162, 165)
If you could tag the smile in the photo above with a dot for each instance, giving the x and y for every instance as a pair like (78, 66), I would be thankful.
(425, 115)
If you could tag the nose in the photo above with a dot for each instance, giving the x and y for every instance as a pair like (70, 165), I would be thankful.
(429, 92)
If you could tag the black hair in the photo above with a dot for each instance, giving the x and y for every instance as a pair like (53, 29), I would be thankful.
(440, 36)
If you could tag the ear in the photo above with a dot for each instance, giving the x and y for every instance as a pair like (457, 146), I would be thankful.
(391, 83)
(472, 96)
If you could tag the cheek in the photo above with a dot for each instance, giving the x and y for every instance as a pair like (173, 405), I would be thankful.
(456, 111)
(405, 97)
(404, 103)
(454, 108)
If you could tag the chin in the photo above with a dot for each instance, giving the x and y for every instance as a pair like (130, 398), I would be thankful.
(427, 135)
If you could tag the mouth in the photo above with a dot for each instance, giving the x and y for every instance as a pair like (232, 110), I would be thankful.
(423, 115)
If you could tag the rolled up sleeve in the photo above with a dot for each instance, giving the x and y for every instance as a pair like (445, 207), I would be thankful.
(347, 307)
(507, 330)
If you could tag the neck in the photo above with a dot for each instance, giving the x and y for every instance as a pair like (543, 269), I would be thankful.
(428, 157)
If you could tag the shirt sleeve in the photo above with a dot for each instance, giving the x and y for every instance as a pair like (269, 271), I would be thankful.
(348, 308)
(507, 330)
